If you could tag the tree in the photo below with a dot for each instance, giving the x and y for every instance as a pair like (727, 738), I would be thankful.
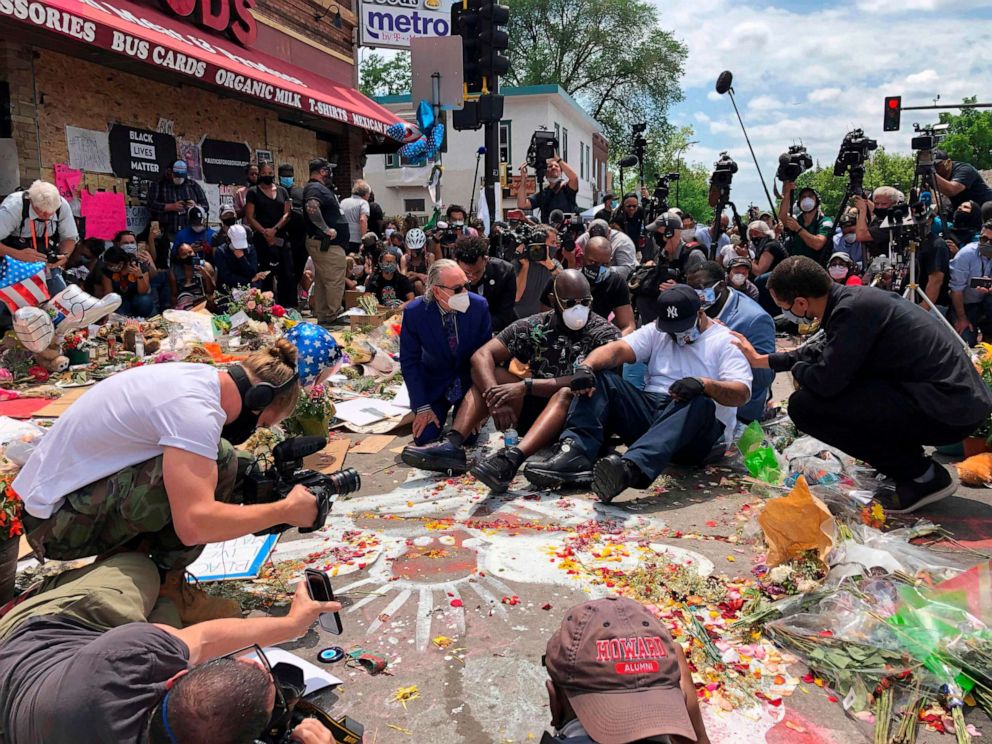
(610, 55)
(384, 77)
(883, 169)
(969, 136)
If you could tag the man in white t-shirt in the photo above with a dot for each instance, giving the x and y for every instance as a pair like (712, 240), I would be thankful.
(696, 378)
(356, 210)
(144, 461)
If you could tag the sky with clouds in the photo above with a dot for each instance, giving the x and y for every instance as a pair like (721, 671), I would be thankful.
(810, 71)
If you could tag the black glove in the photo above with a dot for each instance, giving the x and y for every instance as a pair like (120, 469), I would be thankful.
(686, 389)
(583, 379)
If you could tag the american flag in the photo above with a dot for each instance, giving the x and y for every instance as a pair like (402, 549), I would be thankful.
(22, 284)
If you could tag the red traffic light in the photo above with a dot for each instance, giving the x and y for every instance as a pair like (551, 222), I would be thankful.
(892, 113)
(893, 103)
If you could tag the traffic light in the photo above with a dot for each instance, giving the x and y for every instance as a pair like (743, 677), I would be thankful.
(465, 23)
(493, 40)
(893, 111)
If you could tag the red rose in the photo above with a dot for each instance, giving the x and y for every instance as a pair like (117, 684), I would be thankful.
(39, 373)
(278, 311)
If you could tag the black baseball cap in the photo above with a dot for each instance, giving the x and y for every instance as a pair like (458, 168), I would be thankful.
(939, 155)
(677, 309)
(285, 169)
(319, 164)
(195, 216)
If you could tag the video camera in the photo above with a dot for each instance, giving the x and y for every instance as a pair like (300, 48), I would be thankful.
(291, 684)
(793, 163)
(658, 203)
(446, 234)
(543, 146)
(569, 227)
(854, 152)
(269, 480)
(723, 172)
(928, 136)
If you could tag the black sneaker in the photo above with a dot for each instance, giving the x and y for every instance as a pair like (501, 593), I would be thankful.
(440, 457)
(611, 476)
(910, 495)
(495, 471)
(566, 467)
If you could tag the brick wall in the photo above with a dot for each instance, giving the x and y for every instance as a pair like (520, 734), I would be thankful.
(301, 17)
(69, 91)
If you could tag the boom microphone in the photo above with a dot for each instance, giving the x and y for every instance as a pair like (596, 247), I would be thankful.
(724, 82)
(629, 162)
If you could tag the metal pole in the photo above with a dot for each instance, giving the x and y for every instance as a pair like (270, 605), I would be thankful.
(491, 171)
(436, 105)
(753, 156)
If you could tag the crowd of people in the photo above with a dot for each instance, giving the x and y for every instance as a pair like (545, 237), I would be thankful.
(604, 353)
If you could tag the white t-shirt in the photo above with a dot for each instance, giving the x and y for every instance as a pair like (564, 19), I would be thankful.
(711, 355)
(353, 208)
(125, 420)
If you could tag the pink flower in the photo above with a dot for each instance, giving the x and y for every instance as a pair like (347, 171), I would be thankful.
(250, 305)
(267, 295)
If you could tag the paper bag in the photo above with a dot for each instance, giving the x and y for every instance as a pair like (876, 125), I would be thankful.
(796, 523)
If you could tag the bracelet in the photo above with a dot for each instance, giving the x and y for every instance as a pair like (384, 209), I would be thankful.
(529, 384)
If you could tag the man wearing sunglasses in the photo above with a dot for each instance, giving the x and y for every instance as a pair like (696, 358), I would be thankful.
(521, 379)
(441, 331)
(95, 657)
(695, 381)
(971, 278)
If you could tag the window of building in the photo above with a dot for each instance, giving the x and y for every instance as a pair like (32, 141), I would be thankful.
(413, 205)
(5, 112)
(395, 160)
(588, 161)
(582, 162)
(564, 144)
(505, 153)
(558, 133)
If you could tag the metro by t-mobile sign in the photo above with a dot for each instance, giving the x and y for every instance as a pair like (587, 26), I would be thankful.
(392, 23)
(231, 17)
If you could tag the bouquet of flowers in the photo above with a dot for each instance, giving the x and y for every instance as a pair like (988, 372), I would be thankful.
(74, 340)
(313, 412)
(256, 304)
(10, 512)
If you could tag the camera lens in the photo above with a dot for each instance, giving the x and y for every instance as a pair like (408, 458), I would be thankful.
(346, 480)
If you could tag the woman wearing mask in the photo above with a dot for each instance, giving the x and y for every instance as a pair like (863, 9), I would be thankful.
(416, 261)
(191, 279)
(390, 287)
(738, 277)
(267, 212)
(123, 274)
(843, 270)
(769, 252)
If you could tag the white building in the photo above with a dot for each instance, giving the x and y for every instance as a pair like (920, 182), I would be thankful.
(400, 187)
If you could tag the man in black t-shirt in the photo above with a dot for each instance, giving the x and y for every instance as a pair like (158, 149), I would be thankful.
(610, 293)
(94, 658)
(492, 278)
(327, 236)
(959, 181)
(563, 185)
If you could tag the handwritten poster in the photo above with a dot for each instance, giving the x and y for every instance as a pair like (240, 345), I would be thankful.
(105, 214)
(241, 558)
(190, 152)
(89, 150)
(67, 180)
(137, 219)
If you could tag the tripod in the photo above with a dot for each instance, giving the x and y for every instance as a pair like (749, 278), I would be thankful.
(723, 201)
(914, 291)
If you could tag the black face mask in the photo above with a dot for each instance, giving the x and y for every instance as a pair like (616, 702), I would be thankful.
(230, 221)
(188, 261)
(242, 427)
(267, 180)
(881, 213)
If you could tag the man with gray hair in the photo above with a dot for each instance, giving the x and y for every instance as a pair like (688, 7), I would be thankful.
(624, 258)
(356, 210)
(871, 214)
(441, 331)
(38, 225)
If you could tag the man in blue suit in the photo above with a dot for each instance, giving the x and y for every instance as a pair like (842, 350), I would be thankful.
(441, 331)
(739, 313)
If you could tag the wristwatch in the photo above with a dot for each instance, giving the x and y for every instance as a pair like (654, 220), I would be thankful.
(528, 384)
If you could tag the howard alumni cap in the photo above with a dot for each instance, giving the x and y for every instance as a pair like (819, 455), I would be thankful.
(617, 666)
(677, 309)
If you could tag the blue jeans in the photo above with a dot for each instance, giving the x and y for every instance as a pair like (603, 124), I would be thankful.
(656, 429)
(161, 292)
(138, 306)
(634, 374)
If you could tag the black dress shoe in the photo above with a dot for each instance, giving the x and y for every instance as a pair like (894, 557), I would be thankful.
(439, 457)
(611, 476)
(910, 495)
(495, 471)
(566, 467)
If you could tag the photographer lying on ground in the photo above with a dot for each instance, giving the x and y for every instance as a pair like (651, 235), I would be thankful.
(144, 461)
(92, 658)
(868, 392)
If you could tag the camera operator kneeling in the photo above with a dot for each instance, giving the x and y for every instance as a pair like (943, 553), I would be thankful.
(145, 461)
(92, 658)
(887, 379)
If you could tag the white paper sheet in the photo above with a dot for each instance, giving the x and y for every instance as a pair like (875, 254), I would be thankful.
(362, 411)
(402, 399)
(234, 559)
(89, 150)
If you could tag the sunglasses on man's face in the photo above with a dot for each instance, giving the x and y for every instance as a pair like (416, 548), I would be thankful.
(457, 289)
(566, 304)
(985, 239)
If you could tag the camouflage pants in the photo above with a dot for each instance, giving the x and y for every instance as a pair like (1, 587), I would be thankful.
(128, 510)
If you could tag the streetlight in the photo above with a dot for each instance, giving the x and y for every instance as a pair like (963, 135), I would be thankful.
(678, 167)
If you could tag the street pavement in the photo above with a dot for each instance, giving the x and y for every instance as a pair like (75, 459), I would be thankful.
(447, 543)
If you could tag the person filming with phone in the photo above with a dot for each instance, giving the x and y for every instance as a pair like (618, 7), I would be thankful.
(96, 656)
(562, 187)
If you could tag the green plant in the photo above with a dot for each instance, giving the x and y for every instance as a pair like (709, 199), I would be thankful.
(983, 363)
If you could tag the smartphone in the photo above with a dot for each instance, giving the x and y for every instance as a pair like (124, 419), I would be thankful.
(980, 281)
(319, 588)
(537, 252)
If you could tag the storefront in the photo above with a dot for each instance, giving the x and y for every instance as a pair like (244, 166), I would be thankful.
(119, 89)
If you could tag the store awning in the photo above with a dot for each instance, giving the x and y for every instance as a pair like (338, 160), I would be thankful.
(143, 34)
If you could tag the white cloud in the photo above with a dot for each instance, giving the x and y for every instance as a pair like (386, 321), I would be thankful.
(765, 103)
(925, 77)
(713, 96)
(823, 95)
(882, 7)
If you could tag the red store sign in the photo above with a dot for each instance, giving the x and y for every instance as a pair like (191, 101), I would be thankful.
(231, 17)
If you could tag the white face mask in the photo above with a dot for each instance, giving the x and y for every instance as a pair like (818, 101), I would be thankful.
(688, 234)
(459, 302)
(575, 318)
(388, 231)
(738, 279)
(849, 238)
(131, 248)
(837, 272)
(179, 181)
(554, 180)
(808, 204)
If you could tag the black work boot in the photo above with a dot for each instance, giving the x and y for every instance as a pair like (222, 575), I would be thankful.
(567, 466)
(612, 475)
(439, 457)
(498, 470)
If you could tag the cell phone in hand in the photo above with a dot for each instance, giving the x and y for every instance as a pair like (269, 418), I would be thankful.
(980, 281)
(319, 589)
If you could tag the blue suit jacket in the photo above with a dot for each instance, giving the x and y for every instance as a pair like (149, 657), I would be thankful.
(427, 363)
(748, 318)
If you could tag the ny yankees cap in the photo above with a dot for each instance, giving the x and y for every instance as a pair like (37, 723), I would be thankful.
(677, 309)
(617, 666)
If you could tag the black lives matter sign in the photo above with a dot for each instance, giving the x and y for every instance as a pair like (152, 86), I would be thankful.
(140, 153)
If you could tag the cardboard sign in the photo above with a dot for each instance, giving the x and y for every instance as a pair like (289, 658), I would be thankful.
(140, 153)
(105, 214)
(67, 181)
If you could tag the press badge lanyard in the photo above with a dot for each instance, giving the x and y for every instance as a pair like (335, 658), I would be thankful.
(34, 237)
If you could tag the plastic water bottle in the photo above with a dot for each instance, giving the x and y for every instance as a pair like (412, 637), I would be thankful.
(511, 438)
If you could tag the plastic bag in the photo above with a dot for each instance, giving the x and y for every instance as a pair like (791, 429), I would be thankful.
(819, 463)
(872, 549)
